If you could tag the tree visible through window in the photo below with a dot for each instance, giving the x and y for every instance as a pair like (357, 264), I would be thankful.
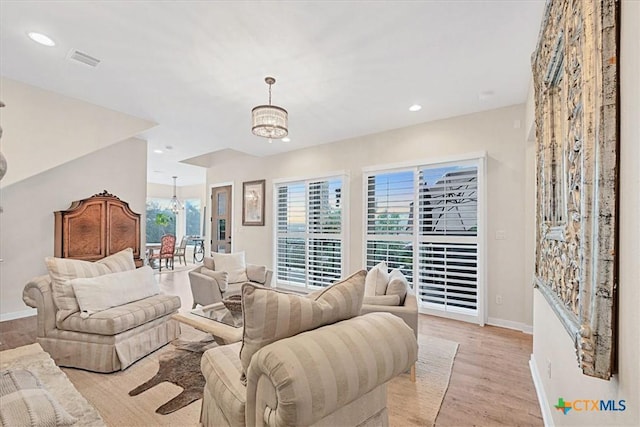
(160, 220)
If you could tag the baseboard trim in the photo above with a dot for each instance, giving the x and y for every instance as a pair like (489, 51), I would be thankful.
(18, 314)
(542, 395)
(527, 329)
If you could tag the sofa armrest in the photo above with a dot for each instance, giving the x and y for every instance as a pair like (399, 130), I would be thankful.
(407, 312)
(205, 289)
(302, 379)
(37, 294)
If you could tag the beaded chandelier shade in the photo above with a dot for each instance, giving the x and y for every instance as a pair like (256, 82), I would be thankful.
(270, 121)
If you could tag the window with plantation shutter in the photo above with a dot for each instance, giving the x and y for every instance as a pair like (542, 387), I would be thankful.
(309, 235)
(424, 221)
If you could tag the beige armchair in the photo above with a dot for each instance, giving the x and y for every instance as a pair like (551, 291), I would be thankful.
(306, 361)
(209, 285)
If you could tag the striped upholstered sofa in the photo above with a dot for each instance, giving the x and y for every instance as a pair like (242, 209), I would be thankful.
(307, 361)
(107, 340)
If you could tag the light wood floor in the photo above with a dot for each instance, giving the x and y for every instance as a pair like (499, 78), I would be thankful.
(490, 384)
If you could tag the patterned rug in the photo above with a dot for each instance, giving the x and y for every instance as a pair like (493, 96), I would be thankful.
(182, 368)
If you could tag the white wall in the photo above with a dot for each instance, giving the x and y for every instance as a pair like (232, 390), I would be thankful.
(27, 223)
(43, 129)
(551, 344)
(499, 132)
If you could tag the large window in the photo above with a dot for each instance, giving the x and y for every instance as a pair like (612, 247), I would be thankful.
(424, 221)
(309, 232)
(192, 217)
(160, 220)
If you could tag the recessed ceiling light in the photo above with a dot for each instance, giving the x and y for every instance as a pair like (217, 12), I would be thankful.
(41, 38)
(415, 107)
(286, 139)
(158, 151)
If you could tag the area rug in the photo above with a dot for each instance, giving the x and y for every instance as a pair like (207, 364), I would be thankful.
(33, 358)
(182, 368)
(419, 403)
(109, 393)
(408, 404)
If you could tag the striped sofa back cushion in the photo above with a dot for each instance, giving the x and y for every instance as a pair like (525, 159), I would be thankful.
(63, 270)
(271, 315)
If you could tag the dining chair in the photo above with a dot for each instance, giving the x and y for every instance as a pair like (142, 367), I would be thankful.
(167, 249)
(181, 250)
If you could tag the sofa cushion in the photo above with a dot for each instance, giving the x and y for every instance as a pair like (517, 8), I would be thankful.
(257, 273)
(377, 280)
(398, 285)
(62, 270)
(220, 277)
(231, 263)
(25, 402)
(222, 368)
(121, 261)
(122, 318)
(382, 300)
(111, 290)
(270, 315)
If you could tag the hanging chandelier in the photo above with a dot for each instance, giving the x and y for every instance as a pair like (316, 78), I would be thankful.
(174, 205)
(269, 121)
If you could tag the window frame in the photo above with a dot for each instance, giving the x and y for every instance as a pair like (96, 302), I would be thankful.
(344, 220)
(478, 160)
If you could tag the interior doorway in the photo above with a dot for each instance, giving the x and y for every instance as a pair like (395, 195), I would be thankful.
(221, 225)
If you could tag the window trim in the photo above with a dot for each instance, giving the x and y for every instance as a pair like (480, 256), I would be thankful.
(478, 159)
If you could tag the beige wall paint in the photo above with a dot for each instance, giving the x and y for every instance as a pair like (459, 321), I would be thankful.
(551, 343)
(43, 129)
(498, 132)
(27, 223)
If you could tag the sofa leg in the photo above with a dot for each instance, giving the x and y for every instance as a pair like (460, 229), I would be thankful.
(412, 375)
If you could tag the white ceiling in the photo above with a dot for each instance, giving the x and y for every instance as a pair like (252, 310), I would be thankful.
(343, 68)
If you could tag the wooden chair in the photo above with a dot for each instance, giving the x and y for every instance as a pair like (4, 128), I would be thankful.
(167, 249)
(181, 251)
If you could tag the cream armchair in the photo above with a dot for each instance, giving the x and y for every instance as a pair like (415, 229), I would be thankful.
(209, 285)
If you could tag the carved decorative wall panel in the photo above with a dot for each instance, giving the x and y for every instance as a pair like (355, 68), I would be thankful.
(576, 92)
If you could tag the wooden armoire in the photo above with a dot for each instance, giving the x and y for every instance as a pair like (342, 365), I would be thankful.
(97, 227)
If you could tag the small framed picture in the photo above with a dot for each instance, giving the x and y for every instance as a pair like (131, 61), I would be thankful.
(253, 202)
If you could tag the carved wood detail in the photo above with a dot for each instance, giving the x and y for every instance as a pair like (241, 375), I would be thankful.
(576, 94)
(97, 227)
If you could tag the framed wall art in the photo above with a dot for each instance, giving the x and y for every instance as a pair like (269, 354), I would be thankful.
(253, 202)
(575, 72)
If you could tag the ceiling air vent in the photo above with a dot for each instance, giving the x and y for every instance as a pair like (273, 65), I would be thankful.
(76, 55)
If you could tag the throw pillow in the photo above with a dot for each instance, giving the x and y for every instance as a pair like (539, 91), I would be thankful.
(62, 270)
(377, 280)
(233, 264)
(257, 273)
(111, 290)
(220, 277)
(382, 300)
(271, 315)
(398, 285)
(25, 402)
